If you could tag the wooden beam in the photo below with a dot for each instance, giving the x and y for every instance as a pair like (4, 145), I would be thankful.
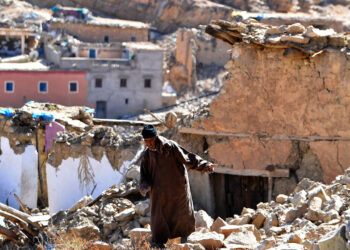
(269, 194)
(112, 122)
(263, 137)
(8, 234)
(213, 133)
(252, 172)
(23, 207)
(18, 220)
(22, 43)
(19, 214)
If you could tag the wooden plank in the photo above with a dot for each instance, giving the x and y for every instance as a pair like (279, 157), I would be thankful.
(23, 207)
(8, 234)
(98, 121)
(19, 214)
(252, 172)
(263, 137)
(21, 222)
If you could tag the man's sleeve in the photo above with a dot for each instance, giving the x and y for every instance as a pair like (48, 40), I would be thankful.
(190, 160)
(145, 176)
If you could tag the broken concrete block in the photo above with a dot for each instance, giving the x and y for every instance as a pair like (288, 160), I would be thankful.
(335, 203)
(210, 240)
(125, 215)
(268, 243)
(295, 238)
(245, 219)
(109, 209)
(144, 220)
(245, 238)
(282, 198)
(128, 227)
(138, 236)
(318, 192)
(259, 218)
(299, 198)
(247, 211)
(100, 245)
(314, 32)
(203, 219)
(273, 39)
(275, 31)
(291, 215)
(218, 223)
(233, 229)
(81, 203)
(337, 40)
(187, 246)
(295, 39)
(314, 212)
(331, 215)
(304, 184)
(142, 207)
(289, 246)
(275, 231)
(133, 173)
(334, 241)
(270, 221)
(87, 230)
(295, 28)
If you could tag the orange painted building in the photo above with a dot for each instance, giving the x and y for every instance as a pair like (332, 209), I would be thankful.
(68, 88)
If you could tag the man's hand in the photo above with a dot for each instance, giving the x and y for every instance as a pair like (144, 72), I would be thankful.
(210, 169)
(144, 191)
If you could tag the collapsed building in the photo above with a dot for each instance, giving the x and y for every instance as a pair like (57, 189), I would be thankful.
(280, 117)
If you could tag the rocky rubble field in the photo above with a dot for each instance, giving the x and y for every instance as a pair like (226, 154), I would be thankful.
(314, 216)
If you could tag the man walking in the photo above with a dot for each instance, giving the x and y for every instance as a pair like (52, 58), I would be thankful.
(164, 174)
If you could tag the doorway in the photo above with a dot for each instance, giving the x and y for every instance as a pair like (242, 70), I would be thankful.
(233, 192)
(101, 109)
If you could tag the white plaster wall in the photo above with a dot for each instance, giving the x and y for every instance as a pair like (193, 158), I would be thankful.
(29, 177)
(64, 185)
(19, 175)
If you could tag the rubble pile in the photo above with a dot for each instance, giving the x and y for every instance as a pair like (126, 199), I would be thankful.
(309, 40)
(109, 217)
(314, 216)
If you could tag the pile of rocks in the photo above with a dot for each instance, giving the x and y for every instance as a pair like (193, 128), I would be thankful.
(109, 217)
(314, 216)
(307, 39)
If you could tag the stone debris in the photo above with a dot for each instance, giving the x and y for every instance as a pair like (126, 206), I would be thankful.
(314, 216)
(309, 39)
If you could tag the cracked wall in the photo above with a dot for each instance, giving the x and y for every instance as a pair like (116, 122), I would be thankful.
(277, 97)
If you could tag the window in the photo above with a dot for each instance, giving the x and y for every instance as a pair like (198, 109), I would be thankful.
(126, 100)
(9, 87)
(98, 83)
(133, 39)
(123, 83)
(148, 83)
(73, 87)
(43, 88)
(106, 39)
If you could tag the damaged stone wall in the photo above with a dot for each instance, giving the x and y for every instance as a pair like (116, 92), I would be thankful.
(283, 108)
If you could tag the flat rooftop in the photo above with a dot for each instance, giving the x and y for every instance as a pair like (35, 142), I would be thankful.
(109, 22)
(142, 46)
